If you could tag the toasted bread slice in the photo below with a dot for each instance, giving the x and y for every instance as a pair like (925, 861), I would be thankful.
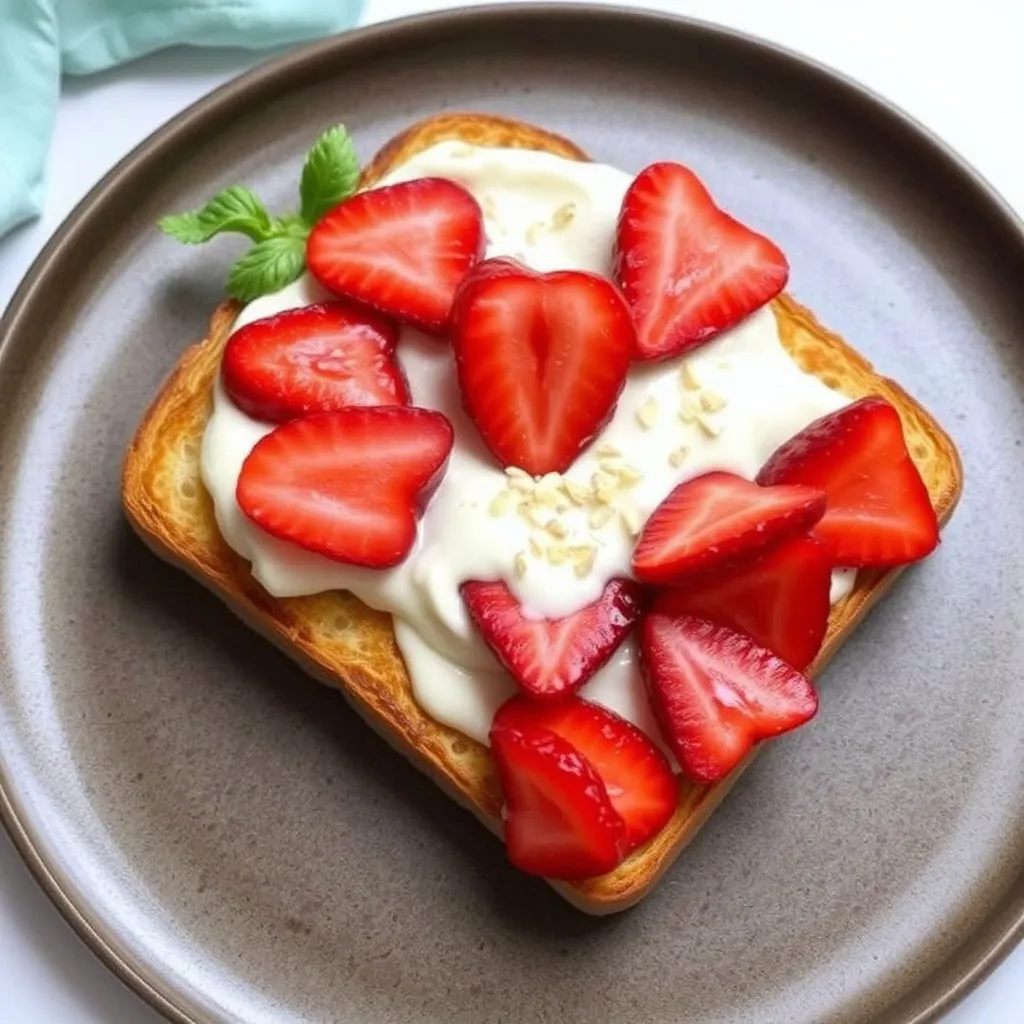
(345, 644)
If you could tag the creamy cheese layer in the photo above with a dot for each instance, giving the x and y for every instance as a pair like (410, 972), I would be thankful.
(735, 400)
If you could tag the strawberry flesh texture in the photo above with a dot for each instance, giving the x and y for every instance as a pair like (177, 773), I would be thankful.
(780, 599)
(559, 820)
(400, 249)
(320, 358)
(349, 485)
(715, 693)
(636, 775)
(716, 520)
(550, 658)
(879, 512)
(687, 269)
(541, 360)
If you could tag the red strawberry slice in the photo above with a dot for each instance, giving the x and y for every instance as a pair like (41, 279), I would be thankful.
(780, 599)
(717, 519)
(687, 269)
(879, 512)
(637, 776)
(348, 485)
(541, 360)
(559, 819)
(715, 693)
(400, 249)
(552, 657)
(316, 359)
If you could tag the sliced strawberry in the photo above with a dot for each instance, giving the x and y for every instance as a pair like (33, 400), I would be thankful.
(715, 693)
(541, 360)
(552, 657)
(316, 359)
(780, 599)
(879, 512)
(635, 773)
(348, 485)
(687, 269)
(401, 249)
(559, 819)
(715, 520)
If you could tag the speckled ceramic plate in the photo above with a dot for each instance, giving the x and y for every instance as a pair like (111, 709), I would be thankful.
(239, 847)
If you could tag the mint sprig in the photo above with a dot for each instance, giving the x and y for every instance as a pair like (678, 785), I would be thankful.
(267, 266)
(330, 175)
(234, 209)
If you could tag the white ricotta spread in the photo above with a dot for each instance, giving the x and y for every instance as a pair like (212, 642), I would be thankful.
(552, 214)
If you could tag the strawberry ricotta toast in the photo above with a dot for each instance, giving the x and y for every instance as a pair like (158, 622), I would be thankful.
(539, 412)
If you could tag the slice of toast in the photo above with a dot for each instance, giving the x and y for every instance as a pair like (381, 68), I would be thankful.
(340, 641)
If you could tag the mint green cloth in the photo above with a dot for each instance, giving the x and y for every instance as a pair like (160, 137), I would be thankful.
(42, 39)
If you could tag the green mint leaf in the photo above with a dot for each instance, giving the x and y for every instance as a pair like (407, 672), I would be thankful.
(292, 225)
(268, 266)
(330, 174)
(234, 209)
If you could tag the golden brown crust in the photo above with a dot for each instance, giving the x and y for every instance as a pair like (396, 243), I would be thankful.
(343, 643)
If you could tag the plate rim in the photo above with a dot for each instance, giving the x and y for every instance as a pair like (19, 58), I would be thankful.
(979, 953)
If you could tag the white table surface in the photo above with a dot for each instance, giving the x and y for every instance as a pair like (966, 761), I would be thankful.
(954, 65)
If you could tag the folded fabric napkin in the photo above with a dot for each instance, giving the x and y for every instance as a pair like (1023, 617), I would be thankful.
(41, 39)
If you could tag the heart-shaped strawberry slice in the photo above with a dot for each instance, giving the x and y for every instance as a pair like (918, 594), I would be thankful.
(349, 485)
(559, 820)
(313, 359)
(879, 511)
(716, 693)
(401, 249)
(551, 658)
(687, 269)
(541, 360)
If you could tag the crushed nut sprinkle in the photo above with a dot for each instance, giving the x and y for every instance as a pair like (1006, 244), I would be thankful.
(583, 558)
(647, 413)
(563, 216)
(558, 554)
(538, 516)
(533, 232)
(576, 493)
(540, 502)
(557, 529)
(678, 457)
(711, 401)
(629, 475)
(690, 380)
(630, 518)
(708, 427)
(611, 464)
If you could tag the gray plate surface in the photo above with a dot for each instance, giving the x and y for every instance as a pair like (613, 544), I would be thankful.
(238, 846)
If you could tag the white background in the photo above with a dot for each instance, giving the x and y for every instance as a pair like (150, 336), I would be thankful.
(957, 66)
